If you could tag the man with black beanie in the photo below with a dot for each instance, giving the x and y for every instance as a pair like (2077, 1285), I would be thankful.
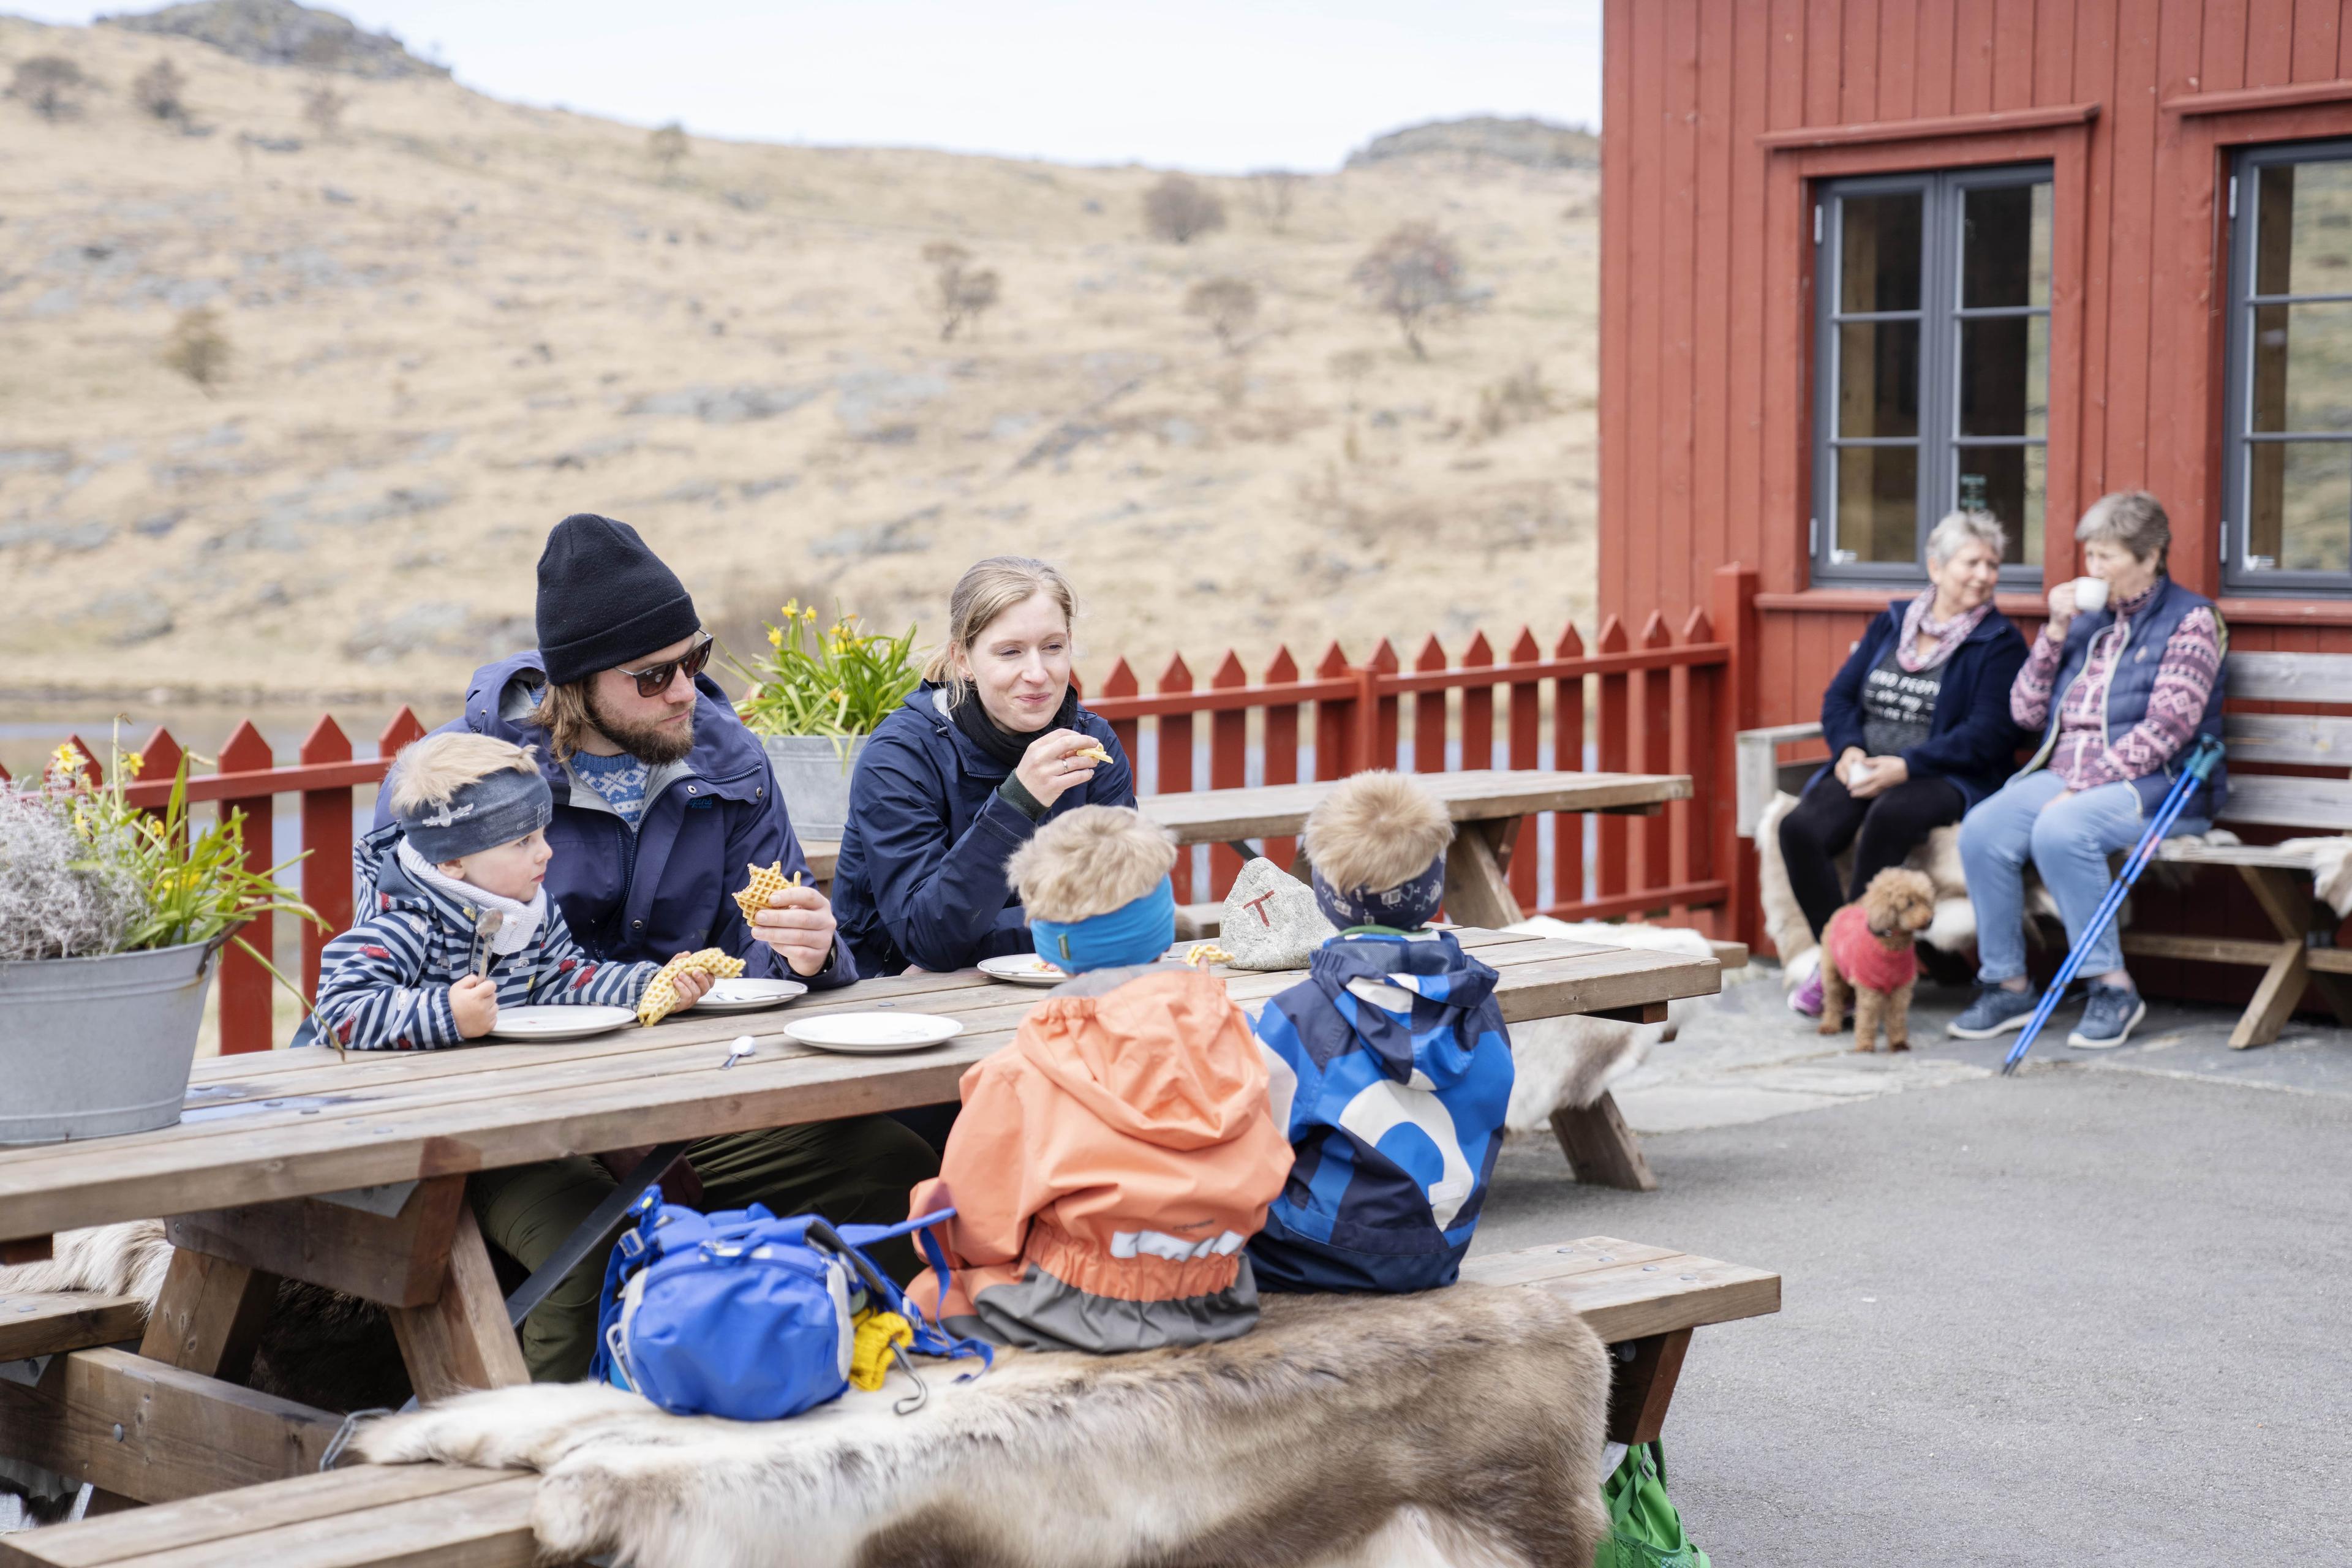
(663, 799)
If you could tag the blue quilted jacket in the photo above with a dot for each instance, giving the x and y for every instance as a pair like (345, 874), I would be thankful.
(1391, 1070)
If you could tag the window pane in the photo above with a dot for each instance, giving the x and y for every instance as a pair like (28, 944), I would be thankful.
(2303, 232)
(2299, 516)
(1878, 505)
(1878, 378)
(1878, 238)
(2302, 367)
(2005, 375)
(2012, 481)
(2005, 246)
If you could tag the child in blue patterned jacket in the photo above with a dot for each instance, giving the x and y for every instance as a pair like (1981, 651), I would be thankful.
(462, 925)
(1390, 1065)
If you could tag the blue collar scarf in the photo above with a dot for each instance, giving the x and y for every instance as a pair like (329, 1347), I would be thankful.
(1137, 933)
(1406, 907)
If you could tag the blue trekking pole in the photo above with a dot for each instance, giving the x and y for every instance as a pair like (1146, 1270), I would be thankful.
(2200, 767)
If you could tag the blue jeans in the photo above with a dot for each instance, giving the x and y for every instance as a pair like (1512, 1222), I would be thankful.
(2069, 841)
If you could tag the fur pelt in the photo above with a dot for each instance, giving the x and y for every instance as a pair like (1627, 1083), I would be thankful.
(109, 1259)
(1459, 1427)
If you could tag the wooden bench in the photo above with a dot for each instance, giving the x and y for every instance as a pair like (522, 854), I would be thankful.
(1645, 1301)
(2280, 879)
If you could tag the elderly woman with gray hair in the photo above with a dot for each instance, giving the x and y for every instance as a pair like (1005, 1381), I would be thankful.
(2126, 674)
(1918, 727)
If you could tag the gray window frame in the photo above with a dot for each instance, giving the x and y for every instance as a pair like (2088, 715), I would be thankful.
(1940, 315)
(2236, 530)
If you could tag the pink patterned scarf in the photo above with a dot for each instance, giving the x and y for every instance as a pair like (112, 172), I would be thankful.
(1948, 635)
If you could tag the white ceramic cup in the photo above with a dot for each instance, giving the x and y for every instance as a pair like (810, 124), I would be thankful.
(2090, 594)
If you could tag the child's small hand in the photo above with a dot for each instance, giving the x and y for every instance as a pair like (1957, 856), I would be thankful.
(691, 985)
(475, 1002)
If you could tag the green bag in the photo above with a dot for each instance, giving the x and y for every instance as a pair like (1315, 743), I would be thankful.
(1644, 1531)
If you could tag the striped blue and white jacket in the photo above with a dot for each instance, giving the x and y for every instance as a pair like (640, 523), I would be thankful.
(1390, 1070)
(383, 986)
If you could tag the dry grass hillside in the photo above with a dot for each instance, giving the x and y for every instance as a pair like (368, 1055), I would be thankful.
(452, 320)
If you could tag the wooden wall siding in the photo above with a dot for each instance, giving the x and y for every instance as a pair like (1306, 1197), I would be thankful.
(1706, 260)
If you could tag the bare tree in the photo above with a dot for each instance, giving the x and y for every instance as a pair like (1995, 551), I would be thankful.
(1416, 276)
(1228, 304)
(1273, 191)
(198, 349)
(51, 84)
(960, 293)
(1179, 208)
(668, 147)
(323, 107)
(158, 88)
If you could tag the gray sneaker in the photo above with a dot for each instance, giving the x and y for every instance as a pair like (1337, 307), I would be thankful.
(1995, 1011)
(2108, 1018)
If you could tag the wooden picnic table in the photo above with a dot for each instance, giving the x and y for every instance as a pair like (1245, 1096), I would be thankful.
(1486, 804)
(349, 1173)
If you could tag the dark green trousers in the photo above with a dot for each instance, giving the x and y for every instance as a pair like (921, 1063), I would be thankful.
(857, 1171)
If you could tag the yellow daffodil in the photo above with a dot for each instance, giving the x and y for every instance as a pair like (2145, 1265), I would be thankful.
(775, 638)
(133, 763)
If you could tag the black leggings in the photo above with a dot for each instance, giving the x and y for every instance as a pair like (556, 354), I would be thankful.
(1890, 827)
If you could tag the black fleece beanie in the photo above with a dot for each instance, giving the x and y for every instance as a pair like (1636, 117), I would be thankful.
(605, 599)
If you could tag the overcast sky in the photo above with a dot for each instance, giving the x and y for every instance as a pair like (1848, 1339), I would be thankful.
(1214, 85)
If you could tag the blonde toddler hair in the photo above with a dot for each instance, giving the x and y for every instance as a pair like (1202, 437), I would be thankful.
(1094, 860)
(1376, 831)
(430, 771)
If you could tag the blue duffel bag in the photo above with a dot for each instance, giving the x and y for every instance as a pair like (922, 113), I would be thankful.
(741, 1314)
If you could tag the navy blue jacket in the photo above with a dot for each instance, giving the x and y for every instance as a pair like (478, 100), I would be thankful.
(1390, 1069)
(667, 887)
(921, 875)
(1972, 739)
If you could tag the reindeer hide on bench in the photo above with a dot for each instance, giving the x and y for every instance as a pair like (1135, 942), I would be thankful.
(1460, 1426)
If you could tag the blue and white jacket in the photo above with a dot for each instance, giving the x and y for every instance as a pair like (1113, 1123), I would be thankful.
(1391, 1071)
(383, 986)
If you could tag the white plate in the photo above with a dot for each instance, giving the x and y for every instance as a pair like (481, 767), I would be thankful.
(1022, 969)
(746, 995)
(560, 1022)
(873, 1033)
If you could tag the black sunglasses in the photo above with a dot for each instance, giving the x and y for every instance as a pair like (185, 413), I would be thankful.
(655, 678)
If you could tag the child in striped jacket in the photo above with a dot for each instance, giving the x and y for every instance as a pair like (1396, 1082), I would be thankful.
(462, 925)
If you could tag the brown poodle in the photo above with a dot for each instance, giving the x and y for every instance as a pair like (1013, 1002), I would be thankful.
(1868, 949)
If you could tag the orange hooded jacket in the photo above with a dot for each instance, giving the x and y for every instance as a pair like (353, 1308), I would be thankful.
(1107, 1169)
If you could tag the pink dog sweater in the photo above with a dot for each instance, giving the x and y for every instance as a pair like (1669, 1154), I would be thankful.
(1861, 958)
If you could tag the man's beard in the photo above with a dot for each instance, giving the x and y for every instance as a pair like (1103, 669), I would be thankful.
(655, 743)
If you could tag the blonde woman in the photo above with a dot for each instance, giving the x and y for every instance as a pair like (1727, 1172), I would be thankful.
(990, 745)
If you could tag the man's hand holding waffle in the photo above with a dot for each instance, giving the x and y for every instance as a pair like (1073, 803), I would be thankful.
(788, 915)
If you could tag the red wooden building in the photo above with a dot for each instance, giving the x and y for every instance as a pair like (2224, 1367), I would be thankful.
(1861, 258)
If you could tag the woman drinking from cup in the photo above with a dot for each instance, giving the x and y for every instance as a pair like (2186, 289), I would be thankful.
(992, 744)
(2124, 677)
(1918, 726)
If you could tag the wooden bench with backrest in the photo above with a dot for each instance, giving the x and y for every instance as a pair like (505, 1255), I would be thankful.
(2300, 949)
(1644, 1302)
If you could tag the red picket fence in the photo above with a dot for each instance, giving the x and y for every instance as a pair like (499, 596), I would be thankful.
(1660, 700)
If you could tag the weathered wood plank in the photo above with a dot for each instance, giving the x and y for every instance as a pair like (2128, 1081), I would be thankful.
(1626, 1290)
(1216, 816)
(182, 1434)
(43, 1323)
(476, 1527)
(1600, 1149)
(2320, 678)
(240, 1514)
(461, 1340)
(397, 1260)
(209, 1316)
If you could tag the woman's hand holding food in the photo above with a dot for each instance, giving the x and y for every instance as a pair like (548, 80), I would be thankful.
(1057, 761)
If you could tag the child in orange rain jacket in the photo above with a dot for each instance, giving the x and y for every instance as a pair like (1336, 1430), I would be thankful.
(1109, 1166)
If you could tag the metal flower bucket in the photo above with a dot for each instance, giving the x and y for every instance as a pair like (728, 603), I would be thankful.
(94, 1047)
(813, 773)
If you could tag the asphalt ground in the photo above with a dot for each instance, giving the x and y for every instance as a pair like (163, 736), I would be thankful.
(2094, 1313)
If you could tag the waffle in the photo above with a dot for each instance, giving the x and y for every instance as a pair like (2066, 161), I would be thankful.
(661, 999)
(766, 880)
(1206, 952)
(1096, 753)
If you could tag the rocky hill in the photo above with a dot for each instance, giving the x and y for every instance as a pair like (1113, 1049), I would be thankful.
(1537, 143)
(281, 33)
(431, 324)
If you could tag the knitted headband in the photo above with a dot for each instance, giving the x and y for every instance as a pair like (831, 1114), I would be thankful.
(1406, 907)
(1135, 932)
(497, 808)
